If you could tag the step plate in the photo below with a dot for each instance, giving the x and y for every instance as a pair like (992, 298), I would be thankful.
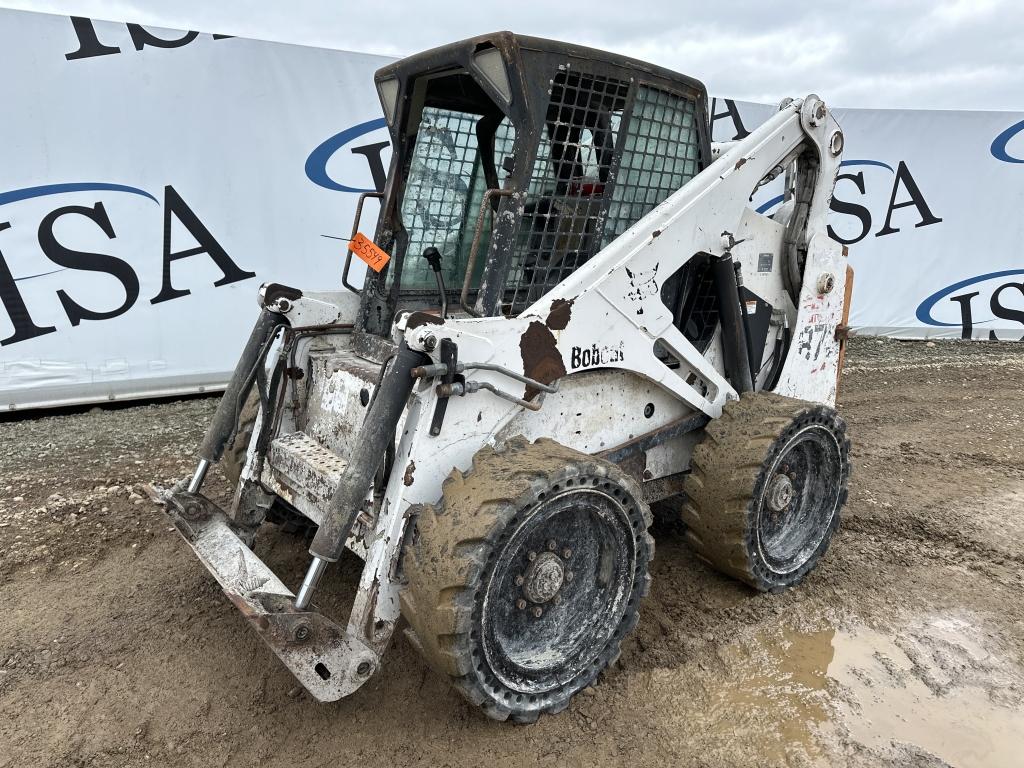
(303, 473)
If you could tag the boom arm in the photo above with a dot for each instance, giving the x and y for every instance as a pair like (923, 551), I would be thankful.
(623, 281)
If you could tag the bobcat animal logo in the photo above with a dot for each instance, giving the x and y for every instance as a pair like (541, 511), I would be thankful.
(244, 581)
(643, 285)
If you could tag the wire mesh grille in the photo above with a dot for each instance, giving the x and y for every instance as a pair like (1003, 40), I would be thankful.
(660, 154)
(441, 181)
(589, 184)
(565, 199)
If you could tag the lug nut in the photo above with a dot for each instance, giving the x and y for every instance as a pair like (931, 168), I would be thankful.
(566, 553)
(520, 604)
(531, 556)
(556, 599)
(538, 612)
(569, 576)
(519, 581)
(792, 475)
(552, 545)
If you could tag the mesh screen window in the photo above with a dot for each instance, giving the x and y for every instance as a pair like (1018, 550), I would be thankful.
(442, 177)
(660, 155)
(590, 183)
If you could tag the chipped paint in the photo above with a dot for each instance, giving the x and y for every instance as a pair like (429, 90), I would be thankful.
(541, 359)
(560, 314)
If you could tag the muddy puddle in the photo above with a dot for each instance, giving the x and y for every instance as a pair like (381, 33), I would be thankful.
(935, 691)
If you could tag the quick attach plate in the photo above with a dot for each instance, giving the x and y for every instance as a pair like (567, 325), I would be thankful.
(328, 661)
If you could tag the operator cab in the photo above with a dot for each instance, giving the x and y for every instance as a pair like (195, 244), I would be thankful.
(519, 159)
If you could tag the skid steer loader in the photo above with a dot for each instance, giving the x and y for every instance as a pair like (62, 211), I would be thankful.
(571, 312)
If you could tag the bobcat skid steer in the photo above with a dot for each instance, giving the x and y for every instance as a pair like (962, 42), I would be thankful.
(571, 312)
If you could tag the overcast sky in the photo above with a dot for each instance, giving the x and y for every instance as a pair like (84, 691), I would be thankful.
(961, 54)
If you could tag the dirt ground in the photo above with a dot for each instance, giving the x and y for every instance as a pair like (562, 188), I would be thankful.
(905, 646)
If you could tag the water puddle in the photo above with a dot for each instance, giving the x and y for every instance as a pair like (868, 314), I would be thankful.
(932, 686)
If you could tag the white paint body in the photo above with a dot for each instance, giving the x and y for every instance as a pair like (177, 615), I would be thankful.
(625, 391)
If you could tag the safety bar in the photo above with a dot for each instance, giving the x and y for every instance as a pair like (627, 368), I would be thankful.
(355, 231)
(475, 247)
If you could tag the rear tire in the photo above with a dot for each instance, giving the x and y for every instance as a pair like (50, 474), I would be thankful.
(522, 581)
(766, 488)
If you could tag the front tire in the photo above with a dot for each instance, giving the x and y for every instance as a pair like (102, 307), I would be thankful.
(524, 578)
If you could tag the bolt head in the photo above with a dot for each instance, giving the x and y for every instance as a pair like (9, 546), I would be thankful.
(556, 599)
(569, 575)
(836, 143)
(566, 553)
(520, 604)
(531, 556)
(519, 581)
(301, 632)
(552, 545)
(538, 612)
(779, 493)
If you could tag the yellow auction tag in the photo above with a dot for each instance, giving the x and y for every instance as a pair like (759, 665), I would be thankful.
(367, 250)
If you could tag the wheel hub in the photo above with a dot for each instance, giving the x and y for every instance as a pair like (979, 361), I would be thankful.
(780, 493)
(544, 578)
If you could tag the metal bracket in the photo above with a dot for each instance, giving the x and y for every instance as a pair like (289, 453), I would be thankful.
(329, 661)
(449, 360)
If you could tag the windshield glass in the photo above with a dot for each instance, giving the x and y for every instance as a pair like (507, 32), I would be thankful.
(446, 183)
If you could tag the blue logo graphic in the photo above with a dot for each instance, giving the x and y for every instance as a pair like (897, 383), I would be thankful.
(316, 163)
(28, 193)
(924, 310)
(999, 145)
(17, 195)
(765, 207)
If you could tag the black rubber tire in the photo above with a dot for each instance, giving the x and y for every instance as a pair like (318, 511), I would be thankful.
(459, 544)
(726, 487)
(233, 459)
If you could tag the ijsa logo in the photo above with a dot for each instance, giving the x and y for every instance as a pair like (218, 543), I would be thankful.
(98, 285)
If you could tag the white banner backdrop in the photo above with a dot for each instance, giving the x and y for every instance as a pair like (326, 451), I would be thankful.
(150, 180)
(931, 205)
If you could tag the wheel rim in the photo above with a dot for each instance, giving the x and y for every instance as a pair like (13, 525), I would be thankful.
(547, 619)
(799, 498)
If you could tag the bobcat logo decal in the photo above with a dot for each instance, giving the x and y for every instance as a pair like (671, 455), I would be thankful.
(642, 285)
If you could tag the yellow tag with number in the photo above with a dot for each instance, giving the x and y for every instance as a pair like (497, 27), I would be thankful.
(375, 257)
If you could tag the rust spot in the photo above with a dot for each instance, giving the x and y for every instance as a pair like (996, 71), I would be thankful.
(740, 163)
(409, 470)
(846, 252)
(416, 319)
(561, 311)
(541, 359)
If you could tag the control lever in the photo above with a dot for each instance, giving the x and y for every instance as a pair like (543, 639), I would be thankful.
(433, 257)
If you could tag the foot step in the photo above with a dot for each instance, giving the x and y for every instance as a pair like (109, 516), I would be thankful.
(303, 473)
